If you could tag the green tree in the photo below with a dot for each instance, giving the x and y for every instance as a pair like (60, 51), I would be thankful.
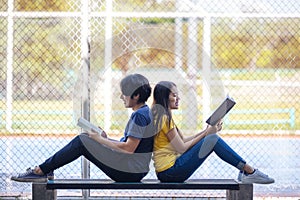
(42, 5)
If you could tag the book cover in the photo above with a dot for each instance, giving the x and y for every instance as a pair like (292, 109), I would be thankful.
(221, 111)
(87, 126)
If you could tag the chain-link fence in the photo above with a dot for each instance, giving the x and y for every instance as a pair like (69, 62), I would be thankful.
(64, 59)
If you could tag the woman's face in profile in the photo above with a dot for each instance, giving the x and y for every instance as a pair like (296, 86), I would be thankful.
(174, 98)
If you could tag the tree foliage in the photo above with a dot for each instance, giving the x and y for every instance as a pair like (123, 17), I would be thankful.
(42, 5)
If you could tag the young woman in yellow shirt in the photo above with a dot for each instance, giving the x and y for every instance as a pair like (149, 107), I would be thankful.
(177, 157)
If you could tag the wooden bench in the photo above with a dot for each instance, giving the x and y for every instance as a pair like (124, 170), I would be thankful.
(234, 189)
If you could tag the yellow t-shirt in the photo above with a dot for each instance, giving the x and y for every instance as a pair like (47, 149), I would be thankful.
(164, 155)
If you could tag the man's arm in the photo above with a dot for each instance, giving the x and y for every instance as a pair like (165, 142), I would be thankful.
(126, 147)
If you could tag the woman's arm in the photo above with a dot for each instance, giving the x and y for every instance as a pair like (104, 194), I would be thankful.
(186, 139)
(189, 138)
(182, 144)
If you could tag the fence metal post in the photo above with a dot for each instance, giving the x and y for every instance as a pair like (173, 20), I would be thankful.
(10, 52)
(206, 67)
(107, 63)
(85, 54)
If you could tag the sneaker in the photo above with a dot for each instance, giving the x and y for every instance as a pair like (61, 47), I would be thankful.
(30, 176)
(256, 177)
(240, 176)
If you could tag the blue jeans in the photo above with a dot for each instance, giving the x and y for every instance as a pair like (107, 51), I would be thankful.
(192, 159)
(118, 166)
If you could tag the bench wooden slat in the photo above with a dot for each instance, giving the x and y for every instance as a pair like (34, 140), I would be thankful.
(234, 189)
(226, 184)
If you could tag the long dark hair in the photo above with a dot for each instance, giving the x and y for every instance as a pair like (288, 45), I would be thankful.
(160, 105)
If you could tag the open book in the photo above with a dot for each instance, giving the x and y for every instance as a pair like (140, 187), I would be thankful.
(87, 126)
(221, 111)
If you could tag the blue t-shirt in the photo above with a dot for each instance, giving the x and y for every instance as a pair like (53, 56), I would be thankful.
(140, 126)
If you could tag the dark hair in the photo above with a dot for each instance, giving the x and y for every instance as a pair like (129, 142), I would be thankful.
(160, 105)
(136, 84)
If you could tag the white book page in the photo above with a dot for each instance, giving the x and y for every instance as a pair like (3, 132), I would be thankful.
(87, 126)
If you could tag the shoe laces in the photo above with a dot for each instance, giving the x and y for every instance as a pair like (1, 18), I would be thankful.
(28, 171)
(261, 174)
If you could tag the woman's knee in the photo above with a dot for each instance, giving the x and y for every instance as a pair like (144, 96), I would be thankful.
(212, 137)
(208, 145)
(211, 140)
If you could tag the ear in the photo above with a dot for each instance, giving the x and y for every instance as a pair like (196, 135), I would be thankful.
(136, 97)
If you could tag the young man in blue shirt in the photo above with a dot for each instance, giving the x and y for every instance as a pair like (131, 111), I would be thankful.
(126, 160)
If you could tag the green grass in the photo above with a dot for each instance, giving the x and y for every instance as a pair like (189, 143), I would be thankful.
(51, 118)
(59, 115)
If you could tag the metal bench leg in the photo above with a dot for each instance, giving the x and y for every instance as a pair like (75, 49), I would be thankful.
(39, 192)
(244, 193)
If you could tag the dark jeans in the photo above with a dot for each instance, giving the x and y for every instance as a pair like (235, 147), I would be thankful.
(114, 164)
(191, 160)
